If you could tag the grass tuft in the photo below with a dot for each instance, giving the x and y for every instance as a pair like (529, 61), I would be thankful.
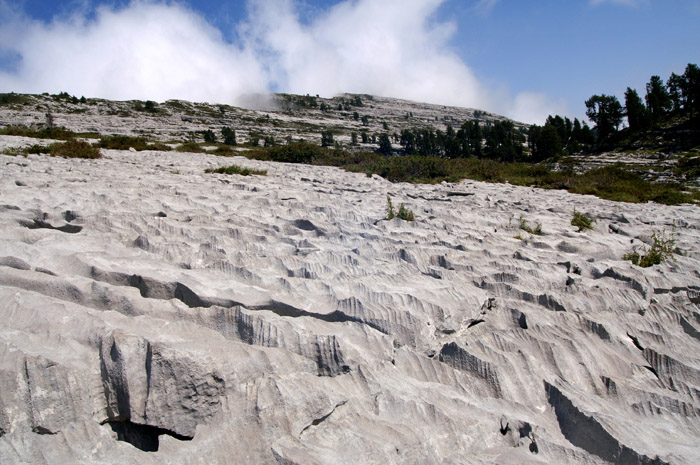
(661, 250)
(582, 221)
(403, 214)
(537, 231)
(69, 149)
(128, 142)
(234, 169)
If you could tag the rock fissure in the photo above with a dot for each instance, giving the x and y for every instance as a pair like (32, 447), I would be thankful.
(320, 420)
(143, 437)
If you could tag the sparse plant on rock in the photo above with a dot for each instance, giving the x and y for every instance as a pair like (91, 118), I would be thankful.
(69, 149)
(537, 231)
(235, 169)
(209, 136)
(229, 136)
(403, 213)
(582, 221)
(327, 138)
(390, 213)
(662, 249)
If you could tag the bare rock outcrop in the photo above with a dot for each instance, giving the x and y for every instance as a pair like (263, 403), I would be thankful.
(164, 315)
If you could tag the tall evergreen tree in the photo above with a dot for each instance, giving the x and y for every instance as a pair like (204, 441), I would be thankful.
(675, 92)
(229, 136)
(326, 138)
(636, 111)
(545, 142)
(606, 112)
(658, 99)
(385, 144)
(691, 90)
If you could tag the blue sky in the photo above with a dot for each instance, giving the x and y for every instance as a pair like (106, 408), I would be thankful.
(524, 59)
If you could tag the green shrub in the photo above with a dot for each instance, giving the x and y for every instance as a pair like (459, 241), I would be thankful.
(582, 221)
(15, 152)
(234, 169)
(296, 152)
(75, 149)
(224, 151)
(403, 213)
(229, 136)
(128, 142)
(69, 149)
(526, 227)
(190, 147)
(661, 250)
(390, 213)
(13, 99)
(209, 136)
(48, 133)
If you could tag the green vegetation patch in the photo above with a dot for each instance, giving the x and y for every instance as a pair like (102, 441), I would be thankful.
(662, 249)
(235, 169)
(48, 133)
(127, 142)
(537, 230)
(14, 99)
(403, 214)
(582, 221)
(70, 149)
(190, 147)
(611, 182)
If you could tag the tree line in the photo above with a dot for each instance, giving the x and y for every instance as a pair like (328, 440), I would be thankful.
(499, 141)
(679, 96)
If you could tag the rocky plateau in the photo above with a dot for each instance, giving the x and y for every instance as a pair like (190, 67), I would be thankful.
(154, 313)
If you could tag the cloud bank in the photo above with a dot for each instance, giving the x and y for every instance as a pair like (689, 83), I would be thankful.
(157, 50)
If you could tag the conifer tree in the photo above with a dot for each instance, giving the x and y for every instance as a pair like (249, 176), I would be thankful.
(658, 99)
(637, 117)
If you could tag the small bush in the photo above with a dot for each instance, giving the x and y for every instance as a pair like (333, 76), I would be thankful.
(48, 133)
(526, 227)
(582, 221)
(390, 213)
(75, 149)
(70, 149)
(13, 99)
(229, 136)
(296, 152)
(224, 151)
(15, 152)
(234, 169)
(661, 250)
(403, 213)
(190, 147)
(209, 136)
(127, 142)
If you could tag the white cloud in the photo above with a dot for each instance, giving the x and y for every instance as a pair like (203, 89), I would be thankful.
(530, 107)
(147, 51)
(390, 48)
(155, 50)
(484, 7)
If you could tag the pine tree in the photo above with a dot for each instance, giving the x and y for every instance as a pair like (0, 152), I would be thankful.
(384, 144)
(229, 136)
(637, 117)
(606, 112)
(326, 139)
(658, 99)
(675, 92)
(691, 90)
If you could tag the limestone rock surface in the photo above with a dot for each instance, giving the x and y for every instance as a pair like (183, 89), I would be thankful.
(152, 313)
